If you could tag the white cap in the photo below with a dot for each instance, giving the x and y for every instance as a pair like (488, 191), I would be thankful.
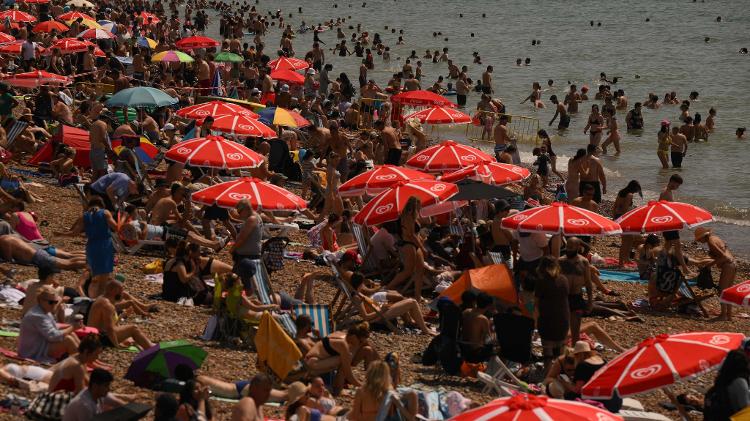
(310, 71)
(284, 88)
(168, 126)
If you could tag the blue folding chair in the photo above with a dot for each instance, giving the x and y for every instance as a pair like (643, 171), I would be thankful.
(263, 291)
(320, 315)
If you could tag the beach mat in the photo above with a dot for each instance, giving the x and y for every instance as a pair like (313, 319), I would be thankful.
(620, 276)
(8, 334)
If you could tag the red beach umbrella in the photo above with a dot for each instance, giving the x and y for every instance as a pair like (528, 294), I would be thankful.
(262, 195)
(190, 43)
(214, 109)
(388, 205)
(448, 156)
(661, 361)
(379, 179)
(35, 79)
(288, 63)
(15, 48)
(561, 218)
(536, 408)
(16, 16)
(6, 38)
(738, 295)
(440, 115)
(497, 173)
(287, 75)
(74, 16)
(49, 26)
(660, 216)
(94, 33)
(421, 98)
(71, 45)
(146, 16)
(214, 152)
(241, 125)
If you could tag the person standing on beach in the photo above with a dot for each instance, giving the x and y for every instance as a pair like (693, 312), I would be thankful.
(571, 185)
(672, 238)
(679, 146)
(487, 88)
(390, 139)
(576, 269)
(722, 258)
(591, 173)
(500, 135)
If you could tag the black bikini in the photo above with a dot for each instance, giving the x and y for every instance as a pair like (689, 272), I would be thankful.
(327, 346)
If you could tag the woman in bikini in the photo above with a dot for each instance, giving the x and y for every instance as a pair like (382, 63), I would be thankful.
(535, 97)
(372, 395)
(664, 144)
(341, 351)
(547, 142)
(594, 126)
(411, 250)
(624, 203)
(613, 134)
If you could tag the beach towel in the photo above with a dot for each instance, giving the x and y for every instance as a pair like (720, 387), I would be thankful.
(620, 276)
(275, 348)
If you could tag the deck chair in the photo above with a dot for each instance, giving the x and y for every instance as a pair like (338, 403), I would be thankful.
(14, 131)
(502, 380)
(264, 292)
(689, 296)
(499, 387)
(347, 308)
(369, 266)
(81, 193)
(320, 315)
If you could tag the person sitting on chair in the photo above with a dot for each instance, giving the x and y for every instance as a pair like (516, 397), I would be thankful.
(475, 333)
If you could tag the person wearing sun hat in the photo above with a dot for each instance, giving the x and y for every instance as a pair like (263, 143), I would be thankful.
(722, 258)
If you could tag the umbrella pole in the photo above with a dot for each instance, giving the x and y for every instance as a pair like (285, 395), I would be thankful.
(681, 409)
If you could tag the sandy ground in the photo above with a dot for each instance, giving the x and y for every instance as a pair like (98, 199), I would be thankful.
(60, 207)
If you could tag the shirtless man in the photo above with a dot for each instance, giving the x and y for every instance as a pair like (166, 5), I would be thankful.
(250, 407)
(369, 93)
(100, 145)
(340, 145)
(502, 238)
(679, 147)
(560, 111)
(586, 200)
(487, 82)
(166, 212)
(149, 126)
(591, 172)
(15, 249)
(688, 129)
(411, 83)
(711, 120)
(61, 111)
(500, 135)
(576, 269)
(103, 316)
(204, 77)
(266, 83)
(572, 99)
(722, 258)
(389, 136)
(89, 63)
(476, 329)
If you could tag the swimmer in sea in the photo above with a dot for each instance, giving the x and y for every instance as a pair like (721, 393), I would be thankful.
(711, 120)
(613, 134)
(594, 126)
(740, 133)
(584, 93)
(536, 95)
(560, 110)
(701, 133)
(572, 99)
(664, 145)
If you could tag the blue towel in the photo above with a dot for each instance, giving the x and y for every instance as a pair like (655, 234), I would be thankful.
(620, 276)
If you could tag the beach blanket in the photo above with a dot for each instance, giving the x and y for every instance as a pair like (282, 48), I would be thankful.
(275, 348)
(620, 276)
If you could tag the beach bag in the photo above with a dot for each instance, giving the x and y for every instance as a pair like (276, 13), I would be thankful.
(273, 253)
(705, 280)
(313, 234)
(157, 266)
(716, 406)
(48, 406)
(668, 276)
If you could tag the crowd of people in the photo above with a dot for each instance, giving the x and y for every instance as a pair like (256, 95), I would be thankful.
(212, 252)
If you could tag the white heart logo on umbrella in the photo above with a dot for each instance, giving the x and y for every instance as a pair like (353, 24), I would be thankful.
(519, 217)
(234, 156)
(239, 196)
(743, 288)
(385, 177)
(184, 151)
(383, 209)
(662, 219)
(578, 222)
(469, 158)
(437, 188)
(422, 158)
(201, 113)
(517, 170)
(245, 127)
(646, 372)
(719, 340)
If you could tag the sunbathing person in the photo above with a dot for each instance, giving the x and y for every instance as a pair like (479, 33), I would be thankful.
(103, 316)
(341, 351)
(306, 336)
(14, 249)
(166, 211)
(72, 373)
(31, 378)
(373, 312)
(133, 230)
(40, 339)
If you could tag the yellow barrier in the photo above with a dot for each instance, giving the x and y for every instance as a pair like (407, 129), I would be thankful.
(524, 128)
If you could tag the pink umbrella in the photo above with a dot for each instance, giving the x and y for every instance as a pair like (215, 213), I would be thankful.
(491, 173)
(440, 115)
(525, 407)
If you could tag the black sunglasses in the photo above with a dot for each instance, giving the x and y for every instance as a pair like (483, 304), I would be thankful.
(53, 302)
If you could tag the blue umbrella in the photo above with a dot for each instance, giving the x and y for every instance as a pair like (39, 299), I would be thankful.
(141, 97)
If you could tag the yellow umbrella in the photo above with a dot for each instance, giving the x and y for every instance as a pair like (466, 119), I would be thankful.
(91, 24)
(236, 101)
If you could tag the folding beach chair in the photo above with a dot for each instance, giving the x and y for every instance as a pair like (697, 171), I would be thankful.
(14, 131)
(264, 292)
(363, 245)
(689, 296)
(320, 315)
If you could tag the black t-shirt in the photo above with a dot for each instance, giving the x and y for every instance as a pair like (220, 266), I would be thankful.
(585, 370)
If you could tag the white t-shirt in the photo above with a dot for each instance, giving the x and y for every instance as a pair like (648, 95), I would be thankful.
(530, 247)
(382, 242)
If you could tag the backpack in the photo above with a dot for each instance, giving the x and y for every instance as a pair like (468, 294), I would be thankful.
(716, 405)
(668, 275)
(273, 253)
(444, 348)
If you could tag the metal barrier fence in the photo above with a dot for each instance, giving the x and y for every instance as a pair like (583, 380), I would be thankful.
(524, 128)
